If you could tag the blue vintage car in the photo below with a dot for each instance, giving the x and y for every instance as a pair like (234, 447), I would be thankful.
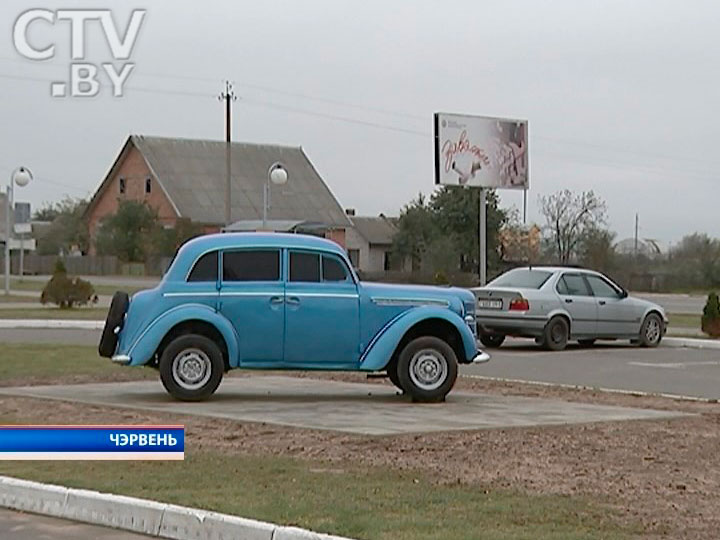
(287, 301)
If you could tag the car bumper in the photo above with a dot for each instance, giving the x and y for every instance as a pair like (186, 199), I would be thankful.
(513, 326)
(480, 358)
(122, 359)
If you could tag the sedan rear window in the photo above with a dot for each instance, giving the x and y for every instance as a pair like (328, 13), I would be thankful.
(522, 278)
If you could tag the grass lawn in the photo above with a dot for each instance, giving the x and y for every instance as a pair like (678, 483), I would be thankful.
(28, 285)
(372, 503)
(684, 320)
(23, 363)
(87, 313)
(5, 298)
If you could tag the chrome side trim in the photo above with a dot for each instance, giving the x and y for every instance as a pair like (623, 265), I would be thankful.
(171, 294)
(251, 293)
(323, 295)
(383, 301)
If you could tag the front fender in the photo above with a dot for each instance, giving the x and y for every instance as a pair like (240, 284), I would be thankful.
(381, 348)
(144, 346)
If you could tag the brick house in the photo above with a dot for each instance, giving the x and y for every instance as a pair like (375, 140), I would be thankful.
(369, 244)
(185, 178)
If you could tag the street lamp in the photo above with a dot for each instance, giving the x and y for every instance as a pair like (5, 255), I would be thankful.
(277, 174)
(22, 177)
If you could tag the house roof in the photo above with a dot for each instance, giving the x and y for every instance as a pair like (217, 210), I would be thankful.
(376, 230)
(192, 175)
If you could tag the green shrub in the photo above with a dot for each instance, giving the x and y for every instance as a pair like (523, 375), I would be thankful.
(711, 316)
(65, 291)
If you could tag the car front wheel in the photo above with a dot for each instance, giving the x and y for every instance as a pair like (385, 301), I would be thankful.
(191, 367)
(651, 331)
(427, 369)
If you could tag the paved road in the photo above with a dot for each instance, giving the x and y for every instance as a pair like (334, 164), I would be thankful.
(21, 526)
(676, 303)
(690, 372)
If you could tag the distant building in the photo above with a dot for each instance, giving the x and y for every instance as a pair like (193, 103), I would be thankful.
(369, 243)
(184, 178)
(520, 244)
(646, 247)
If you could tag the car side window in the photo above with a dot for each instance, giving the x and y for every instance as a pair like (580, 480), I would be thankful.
(333, 269)
(572, 285)
(304, 266)
(205, 268)
(602, 288)
(251, 265)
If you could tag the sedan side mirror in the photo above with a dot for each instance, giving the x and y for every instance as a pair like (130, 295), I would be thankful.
(624, 293)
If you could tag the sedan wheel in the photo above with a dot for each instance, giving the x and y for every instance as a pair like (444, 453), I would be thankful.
(427, 368)
(492, 341)
(556, 334)
(191, 367)
(651, 331)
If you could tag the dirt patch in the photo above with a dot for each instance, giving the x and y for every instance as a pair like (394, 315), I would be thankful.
(663, 473)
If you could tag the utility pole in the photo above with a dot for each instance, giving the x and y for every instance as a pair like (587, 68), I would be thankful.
(636, 235)
(228, 96)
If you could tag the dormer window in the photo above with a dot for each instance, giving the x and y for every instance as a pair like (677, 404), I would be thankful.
(121, 184)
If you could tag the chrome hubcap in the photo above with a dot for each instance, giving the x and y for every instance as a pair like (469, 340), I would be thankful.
(428, 369)
(652, 332)
(191, 369)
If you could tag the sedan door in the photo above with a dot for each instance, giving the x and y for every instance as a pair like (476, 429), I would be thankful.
(616, 315)
(322, 314)
(577, 299)
(252, 299)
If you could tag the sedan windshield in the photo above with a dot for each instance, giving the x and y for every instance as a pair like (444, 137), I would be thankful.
(521, 278)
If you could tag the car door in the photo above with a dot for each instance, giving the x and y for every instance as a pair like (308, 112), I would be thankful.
(252, 298)
(616, 316)
(322, 314)
(577, 299)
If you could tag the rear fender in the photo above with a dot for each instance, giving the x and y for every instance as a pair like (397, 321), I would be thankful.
(143, 348)
(380, 350)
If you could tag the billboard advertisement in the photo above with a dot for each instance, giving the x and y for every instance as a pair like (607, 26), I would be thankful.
(481, 151)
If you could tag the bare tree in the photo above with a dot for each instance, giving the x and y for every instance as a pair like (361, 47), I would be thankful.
(569, 217)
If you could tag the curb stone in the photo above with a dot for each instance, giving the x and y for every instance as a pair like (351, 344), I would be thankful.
(142, 516)
(691, 343)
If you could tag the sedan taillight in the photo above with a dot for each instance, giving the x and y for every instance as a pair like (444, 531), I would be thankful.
(519, 304)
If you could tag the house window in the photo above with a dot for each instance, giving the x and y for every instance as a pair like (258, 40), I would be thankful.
(354, 255)
(386, 261)
(148, 185)
(122, 184)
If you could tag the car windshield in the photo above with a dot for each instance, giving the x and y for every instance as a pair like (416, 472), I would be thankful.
(521, 278)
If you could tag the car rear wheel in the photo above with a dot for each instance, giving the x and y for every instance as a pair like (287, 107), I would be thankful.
(651, 331)
(427, 369)
(392, 371)
(492, 341)
(113, 322)
(191, 367)
(555, 336)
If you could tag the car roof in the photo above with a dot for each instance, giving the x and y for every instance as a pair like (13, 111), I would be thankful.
(249, 239)
(554, 269)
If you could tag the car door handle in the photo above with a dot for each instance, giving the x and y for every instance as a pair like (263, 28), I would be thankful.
(292, 300)
(276, 300)
(601, 302)
(568, 300)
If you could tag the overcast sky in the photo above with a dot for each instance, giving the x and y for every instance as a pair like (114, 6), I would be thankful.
(622, 97)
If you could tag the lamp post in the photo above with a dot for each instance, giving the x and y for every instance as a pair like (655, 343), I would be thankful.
(22, 177)
(277, 174)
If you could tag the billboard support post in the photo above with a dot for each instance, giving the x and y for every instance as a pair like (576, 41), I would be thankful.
(482, 233)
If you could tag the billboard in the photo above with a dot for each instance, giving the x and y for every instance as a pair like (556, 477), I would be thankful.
(481, 151)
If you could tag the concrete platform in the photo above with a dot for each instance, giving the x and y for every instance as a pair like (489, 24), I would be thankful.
(368, 409)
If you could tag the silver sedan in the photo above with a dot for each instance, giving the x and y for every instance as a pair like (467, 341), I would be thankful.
(557, 304)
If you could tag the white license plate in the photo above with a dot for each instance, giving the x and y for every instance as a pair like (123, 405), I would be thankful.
(486, 303)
